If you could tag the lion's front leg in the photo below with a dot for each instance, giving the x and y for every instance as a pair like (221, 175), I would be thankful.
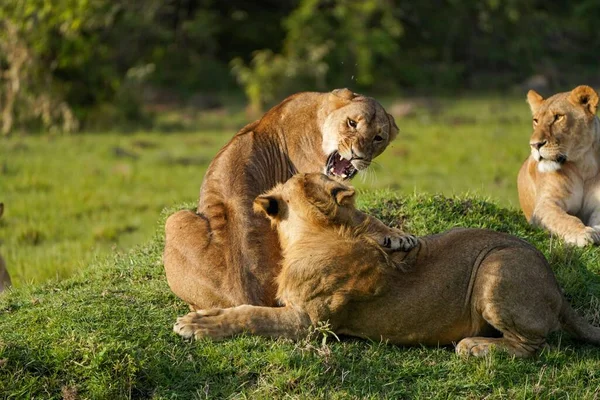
(396, 240)
(220, 323)
(594, 219)
(391, 239)
(570, 228)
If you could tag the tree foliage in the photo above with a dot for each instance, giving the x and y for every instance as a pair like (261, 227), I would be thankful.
(63, 62)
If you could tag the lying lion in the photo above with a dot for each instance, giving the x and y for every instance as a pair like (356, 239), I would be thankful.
(223, 254)
(4, 277)
(472, 286)
(559, 183)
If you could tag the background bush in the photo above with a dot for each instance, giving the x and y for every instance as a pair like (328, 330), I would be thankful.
(68, 64)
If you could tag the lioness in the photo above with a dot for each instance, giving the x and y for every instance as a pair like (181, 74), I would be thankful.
(4, 277)
(559, 183)
(477, 287)
(225, 255)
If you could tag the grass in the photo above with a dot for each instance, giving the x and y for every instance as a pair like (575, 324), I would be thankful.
(105, 333)
(97, 323)
(71, 199)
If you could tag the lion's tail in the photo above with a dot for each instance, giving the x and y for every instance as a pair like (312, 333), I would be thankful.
(578, 326)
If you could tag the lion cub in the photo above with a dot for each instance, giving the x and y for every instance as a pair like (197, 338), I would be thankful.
(472, 286)
(559, 183)
(4, 277)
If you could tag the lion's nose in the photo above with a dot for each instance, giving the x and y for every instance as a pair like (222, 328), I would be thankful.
(357, 155)
(538, 145)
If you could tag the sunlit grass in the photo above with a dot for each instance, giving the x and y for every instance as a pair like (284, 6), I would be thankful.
(106, 333)
(70, 198)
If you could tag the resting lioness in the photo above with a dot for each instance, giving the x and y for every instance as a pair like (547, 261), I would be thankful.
(225, 255)
(559, 183)
(4, 277)
(477, 287)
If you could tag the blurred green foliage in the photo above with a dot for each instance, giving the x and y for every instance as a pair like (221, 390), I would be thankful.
(71, 64)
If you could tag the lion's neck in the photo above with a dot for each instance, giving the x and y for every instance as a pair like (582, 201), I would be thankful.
(300, 133)
(304, 150)
(294, 234)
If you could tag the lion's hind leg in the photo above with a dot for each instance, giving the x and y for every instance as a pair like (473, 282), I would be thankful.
(515, 292)
(522, 334)
(481, 346)
(194, 263)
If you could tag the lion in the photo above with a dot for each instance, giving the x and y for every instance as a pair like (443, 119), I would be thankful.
(5, 281)
(559, 183)
(223, 254)
(477, 287)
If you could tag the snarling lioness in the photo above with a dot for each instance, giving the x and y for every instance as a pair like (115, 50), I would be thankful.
(223, 254)
(477, 287)
(559, 183)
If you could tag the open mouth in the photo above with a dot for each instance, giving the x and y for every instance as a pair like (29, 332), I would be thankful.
(338, 166)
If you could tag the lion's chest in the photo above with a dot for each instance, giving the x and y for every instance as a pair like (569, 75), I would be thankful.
(590, 202)
(574, 199)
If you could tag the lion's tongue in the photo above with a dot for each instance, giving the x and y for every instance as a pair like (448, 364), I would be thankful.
(340, 165)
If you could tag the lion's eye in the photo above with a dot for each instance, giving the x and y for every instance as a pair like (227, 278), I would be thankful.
(378, 138)
(558, 117)
(535, 121)
(352, 123)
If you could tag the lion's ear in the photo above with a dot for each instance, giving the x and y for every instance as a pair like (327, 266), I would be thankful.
(535, 100)
(270, 205)
(586, 97)
(393, 127)
(343, 195)
(345, 94)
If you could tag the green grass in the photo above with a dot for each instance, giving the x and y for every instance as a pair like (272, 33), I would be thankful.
(453, 146)
(101, 327)
(70, 199)
(105, 333)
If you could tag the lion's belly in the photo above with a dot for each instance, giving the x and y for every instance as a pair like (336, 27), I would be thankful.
(432, 322)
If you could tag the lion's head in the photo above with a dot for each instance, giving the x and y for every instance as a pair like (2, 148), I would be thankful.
(563, 126)
(356, 129)
(314, 199)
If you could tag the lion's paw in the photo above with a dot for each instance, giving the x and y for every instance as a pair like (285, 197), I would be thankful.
(186, 326)
(482, 346)
(200, 324)
(400, 242)
(587, 236)
(476, 347)
(596, 234)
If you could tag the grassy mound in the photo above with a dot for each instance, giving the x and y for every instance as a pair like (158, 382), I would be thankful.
(106, 334)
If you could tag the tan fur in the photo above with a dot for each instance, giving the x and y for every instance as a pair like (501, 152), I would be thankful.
(477, 287)
(5, 281)
(223, 254)
(559, 183)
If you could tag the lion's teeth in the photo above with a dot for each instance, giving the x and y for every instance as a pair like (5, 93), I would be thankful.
(332, 170)
(344, 175)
